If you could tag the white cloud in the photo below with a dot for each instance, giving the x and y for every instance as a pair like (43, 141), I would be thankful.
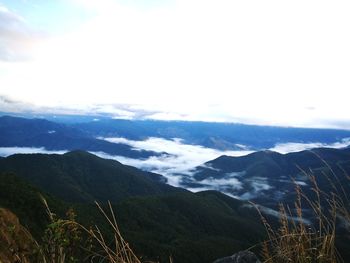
(222, 183)
(179, 161)
(182, 158)
(7, 151)
(260, 185)
(266, 62)
(195, 154)
(297, 147)
(277, 214)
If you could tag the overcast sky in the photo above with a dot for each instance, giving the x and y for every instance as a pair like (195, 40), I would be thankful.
(253, 61)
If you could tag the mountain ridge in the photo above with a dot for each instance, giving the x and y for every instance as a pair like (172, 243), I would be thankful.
(269, 177)
(80, 176)
(21, 132)
(189, 227)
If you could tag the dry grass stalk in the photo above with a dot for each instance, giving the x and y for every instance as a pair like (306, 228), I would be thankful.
(299, 241)
(120, 251)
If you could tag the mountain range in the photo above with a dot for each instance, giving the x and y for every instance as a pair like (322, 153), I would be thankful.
(21, 132)
(83, 177)
(270, 178)
(160, 220)
(70, 133)
(222, 136)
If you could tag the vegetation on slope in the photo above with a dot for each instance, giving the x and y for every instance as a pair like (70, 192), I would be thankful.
(83, 177)
(189, 227)
(185, 226)
(268, 177)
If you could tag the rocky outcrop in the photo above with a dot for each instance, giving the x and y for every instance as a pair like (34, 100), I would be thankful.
(16, 244)
(240, 257)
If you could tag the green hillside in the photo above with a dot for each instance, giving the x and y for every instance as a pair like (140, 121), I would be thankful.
(24, 200)
(83, 177)
(189, 227)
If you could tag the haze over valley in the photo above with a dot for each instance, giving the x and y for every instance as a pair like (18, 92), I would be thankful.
(175, 150)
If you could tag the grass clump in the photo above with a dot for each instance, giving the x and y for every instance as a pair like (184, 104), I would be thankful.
(308, 231)
(66, 241)
(63, 240)
(117, 251)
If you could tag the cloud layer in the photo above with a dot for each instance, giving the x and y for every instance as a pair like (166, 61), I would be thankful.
(183, 158)
(297, 147)
(180, 158)
(179, 161)
(7, 151)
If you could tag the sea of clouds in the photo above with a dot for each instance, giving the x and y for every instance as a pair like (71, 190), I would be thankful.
(181, 159)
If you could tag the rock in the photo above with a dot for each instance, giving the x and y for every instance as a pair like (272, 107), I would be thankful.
(16, 244)
(240, 257)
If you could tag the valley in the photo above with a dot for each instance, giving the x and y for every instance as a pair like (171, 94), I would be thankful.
(184, 200)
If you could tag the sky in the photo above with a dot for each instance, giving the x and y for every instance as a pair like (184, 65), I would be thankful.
(263, 62)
